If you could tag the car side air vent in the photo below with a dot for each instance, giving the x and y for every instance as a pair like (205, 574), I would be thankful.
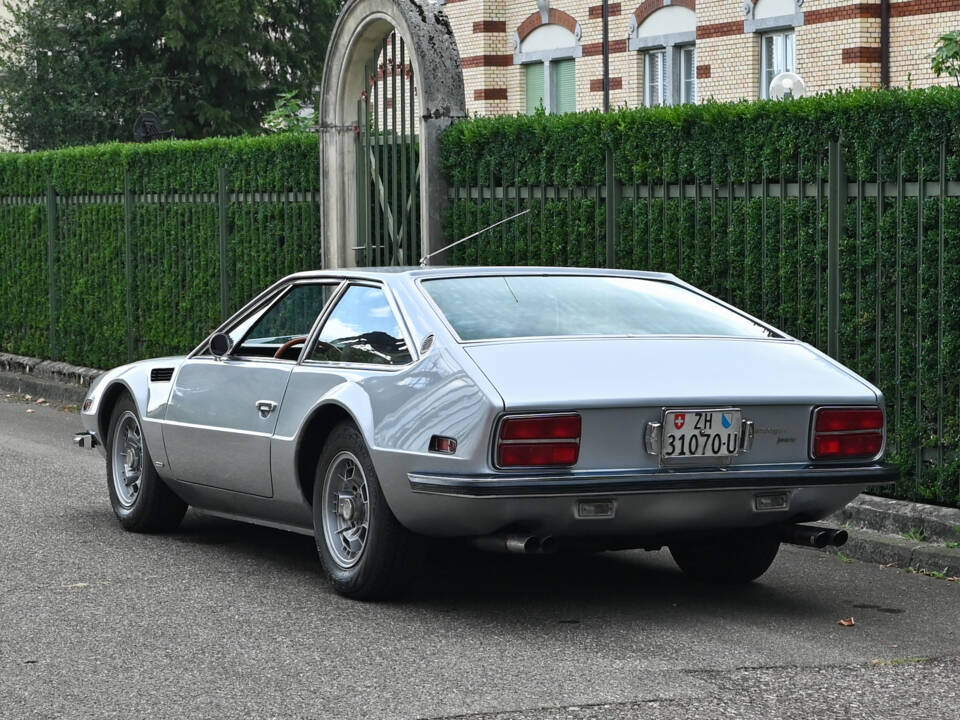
(426, 344)
(161, 374)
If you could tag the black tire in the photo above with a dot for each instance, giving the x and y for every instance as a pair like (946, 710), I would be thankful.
(385, 563)
(736, 557)
(155, 507)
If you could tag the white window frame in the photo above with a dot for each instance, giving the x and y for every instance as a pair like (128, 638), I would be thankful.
(681, 62)
(663, 90)
(788, 61)
(546, 56)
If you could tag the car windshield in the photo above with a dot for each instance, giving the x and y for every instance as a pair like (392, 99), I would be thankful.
(514, 306)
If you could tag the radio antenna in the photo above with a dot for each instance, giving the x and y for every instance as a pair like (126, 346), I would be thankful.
(425, 260)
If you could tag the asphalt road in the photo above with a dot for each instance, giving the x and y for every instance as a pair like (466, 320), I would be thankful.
(225, 620)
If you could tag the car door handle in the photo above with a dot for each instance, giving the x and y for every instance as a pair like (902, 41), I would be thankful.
(265, 407)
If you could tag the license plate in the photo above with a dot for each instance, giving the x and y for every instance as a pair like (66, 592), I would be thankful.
(700, 434)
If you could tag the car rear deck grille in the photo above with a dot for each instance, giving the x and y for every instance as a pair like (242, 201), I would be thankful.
(161, 374)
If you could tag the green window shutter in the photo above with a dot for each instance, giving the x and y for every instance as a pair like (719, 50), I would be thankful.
(564, 77)
(534, 87)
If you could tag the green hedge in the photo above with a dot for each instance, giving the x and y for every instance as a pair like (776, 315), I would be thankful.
(175, 242)
(898, 326)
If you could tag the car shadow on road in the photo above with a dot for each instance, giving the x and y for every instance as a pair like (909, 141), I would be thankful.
(568, 586)
(453, 576)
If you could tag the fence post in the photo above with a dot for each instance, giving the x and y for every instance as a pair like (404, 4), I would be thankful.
(128, 258)
(612, 200)
(836, 210)
(52, 265)
(224, 238)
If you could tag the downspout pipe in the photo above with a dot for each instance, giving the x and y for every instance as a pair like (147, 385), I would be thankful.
(885, 44)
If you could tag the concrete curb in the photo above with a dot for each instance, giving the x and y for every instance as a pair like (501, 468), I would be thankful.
(879, 527)
(58, 382)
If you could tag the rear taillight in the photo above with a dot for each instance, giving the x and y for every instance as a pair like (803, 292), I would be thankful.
(847, 433)
(539, 441)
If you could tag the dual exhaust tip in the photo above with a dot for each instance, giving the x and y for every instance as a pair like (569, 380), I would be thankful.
(817, 537)
(517, 543)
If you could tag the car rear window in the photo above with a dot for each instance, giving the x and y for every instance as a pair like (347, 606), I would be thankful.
(513, 306)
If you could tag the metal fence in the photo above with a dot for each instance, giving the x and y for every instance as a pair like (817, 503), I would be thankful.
(102, 279)
(872, 283)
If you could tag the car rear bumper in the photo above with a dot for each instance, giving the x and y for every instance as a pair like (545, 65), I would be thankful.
(617, 483)
(653, 504)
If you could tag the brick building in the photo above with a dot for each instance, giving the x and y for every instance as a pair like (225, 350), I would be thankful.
(518, 54)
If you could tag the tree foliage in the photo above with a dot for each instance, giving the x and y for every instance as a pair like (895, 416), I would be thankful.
(946, 57)
(74, 72)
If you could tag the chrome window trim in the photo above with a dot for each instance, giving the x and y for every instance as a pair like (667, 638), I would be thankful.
(456, 336)
(334, 301)
(260, 303)
(233, 354)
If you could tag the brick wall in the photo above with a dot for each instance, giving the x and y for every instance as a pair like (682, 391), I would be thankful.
(836, 47)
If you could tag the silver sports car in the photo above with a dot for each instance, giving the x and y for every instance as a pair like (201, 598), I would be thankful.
(523, 409)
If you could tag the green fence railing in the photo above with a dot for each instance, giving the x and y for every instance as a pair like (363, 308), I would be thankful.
(874, 284)
(101, 279)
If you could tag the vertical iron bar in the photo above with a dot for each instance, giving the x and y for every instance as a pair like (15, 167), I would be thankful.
(414, 162)
(224, 239)
(819, 264)
(128, 259)
(878, 268)
(395, 205)
(611, 201)
(899, 295)
(369, 238)
(401, 210)
(376, 161)
(859, 277)
(940, 308)
(52, 266)
(918, 315)
(835, 213)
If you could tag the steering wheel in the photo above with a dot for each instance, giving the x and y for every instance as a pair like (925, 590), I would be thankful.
(287, 345)
(328, 348)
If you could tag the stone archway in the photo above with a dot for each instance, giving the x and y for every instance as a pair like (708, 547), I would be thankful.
(362, 27)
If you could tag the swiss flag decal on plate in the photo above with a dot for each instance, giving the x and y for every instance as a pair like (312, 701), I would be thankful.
(678, 420)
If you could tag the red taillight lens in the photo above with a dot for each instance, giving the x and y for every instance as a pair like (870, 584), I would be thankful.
(848, 433)
(539, 441)
(551, 427)
(843, 420)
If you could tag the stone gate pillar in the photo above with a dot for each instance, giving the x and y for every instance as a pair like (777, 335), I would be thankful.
(435, 60)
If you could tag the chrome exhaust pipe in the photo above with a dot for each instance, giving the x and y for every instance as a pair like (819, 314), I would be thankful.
(838, 538)
(549, 545)
(521, 544)
(807, 536)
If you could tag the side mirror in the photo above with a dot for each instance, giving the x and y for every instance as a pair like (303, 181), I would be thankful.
(220, 344)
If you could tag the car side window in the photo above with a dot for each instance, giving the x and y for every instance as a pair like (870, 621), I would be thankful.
(362, 328)
(275, 332)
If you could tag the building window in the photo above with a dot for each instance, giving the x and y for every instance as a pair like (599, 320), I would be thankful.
(666, 38)
(776, 56)
(688, 73)
(535, 100)
(564, 85)
(548, 55)
(654, 78)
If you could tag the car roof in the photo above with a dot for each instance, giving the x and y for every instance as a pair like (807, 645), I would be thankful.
(391, 274)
